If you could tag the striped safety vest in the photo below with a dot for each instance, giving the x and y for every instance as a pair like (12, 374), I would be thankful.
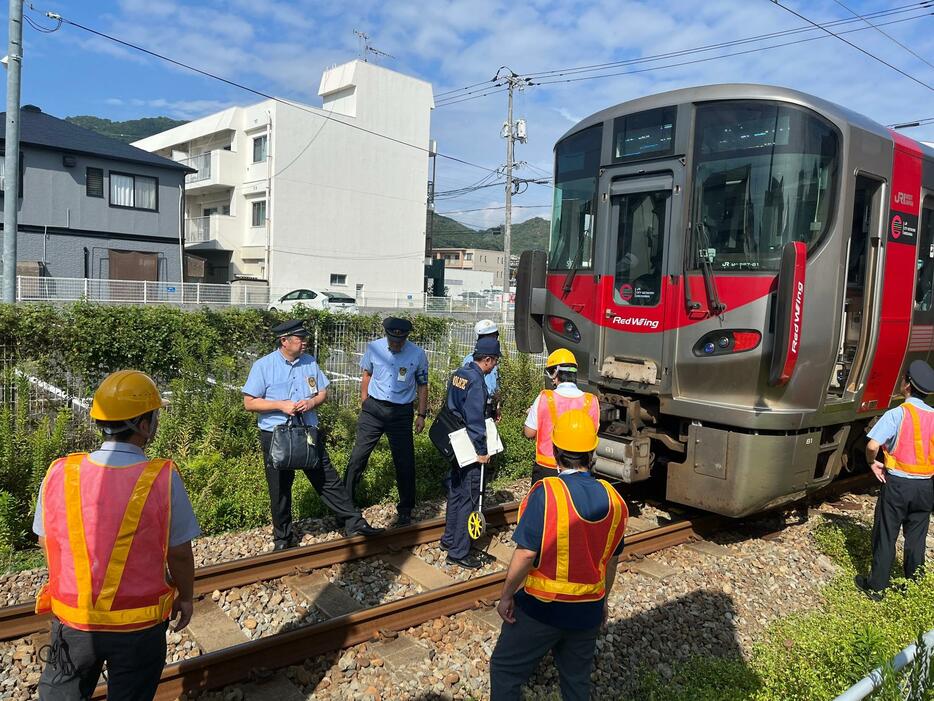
(574, 551)
(914, 448)
(106, 541)
(551, 405)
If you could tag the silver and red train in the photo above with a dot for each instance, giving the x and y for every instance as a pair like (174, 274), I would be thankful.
(743, 273)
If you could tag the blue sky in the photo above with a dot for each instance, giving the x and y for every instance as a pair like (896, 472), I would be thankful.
(281, 46)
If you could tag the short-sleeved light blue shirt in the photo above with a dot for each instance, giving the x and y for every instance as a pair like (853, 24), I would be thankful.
(274, 377)
(886, 431)
(491, 378)
(183, 526)
(394, 375)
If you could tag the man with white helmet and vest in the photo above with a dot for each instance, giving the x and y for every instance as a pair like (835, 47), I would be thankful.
(487, 328)
(550, 404)
(568, 540)
(907, 494)
(116, 529)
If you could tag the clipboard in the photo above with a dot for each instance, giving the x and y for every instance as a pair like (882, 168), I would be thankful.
(464, 452)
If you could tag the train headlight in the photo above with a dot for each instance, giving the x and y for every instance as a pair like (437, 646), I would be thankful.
(727, 342)
(564, 327)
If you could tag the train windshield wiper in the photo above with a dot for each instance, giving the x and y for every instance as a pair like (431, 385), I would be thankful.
(576, 263)
(710, 284)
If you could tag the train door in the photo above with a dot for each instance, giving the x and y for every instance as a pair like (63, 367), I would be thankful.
(921, 342)
(633, 301)
(861, 290)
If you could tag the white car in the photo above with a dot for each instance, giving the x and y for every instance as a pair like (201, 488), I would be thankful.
(315, 299)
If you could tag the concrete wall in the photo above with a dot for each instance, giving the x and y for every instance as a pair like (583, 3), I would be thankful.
(58, 221)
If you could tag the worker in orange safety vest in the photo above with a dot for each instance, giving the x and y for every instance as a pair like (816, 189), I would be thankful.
(561, 369)
(113, 524)
(568, 540)
(905, 435)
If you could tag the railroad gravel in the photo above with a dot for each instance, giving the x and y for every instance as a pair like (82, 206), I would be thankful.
(266, 608)
(707, 605)
(371, 582)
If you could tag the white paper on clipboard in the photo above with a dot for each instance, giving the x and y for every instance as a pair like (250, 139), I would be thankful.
(463, 448)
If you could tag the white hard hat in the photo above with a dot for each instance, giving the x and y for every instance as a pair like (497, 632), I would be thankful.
(485, 327)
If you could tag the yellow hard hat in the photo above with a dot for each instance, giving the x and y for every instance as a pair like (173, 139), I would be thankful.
(574, 432)
(562, 356)
(124, 395)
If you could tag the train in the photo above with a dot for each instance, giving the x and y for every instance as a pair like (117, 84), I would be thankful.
(743, 273)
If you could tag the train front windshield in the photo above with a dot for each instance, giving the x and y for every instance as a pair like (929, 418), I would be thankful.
(764, 174)
(577, 163)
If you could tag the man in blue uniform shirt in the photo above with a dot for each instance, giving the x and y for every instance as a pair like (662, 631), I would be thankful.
(395, 373)
(487, 327)
(467, 398)
(288, 383)
(907, 493)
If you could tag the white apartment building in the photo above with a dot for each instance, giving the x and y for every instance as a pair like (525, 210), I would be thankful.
(306, 197)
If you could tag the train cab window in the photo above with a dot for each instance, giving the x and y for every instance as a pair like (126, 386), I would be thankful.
(577, 166)
(764, 174)
(924, 288)
(640, 238)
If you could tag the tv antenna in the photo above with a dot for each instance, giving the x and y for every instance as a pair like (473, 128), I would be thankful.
(366, 48)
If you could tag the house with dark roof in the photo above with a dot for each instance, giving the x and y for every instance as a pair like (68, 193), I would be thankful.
(94, 207)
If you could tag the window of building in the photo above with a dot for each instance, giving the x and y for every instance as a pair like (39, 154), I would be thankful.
(22, 171)
(259, 148)
(468, 256)
(134, 191)
(94, 182)
(259, 213)
(338, 279)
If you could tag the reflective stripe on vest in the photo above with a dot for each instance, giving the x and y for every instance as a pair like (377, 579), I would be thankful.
(913, 448)
(574, 551)
(123, 601)
(553, 406)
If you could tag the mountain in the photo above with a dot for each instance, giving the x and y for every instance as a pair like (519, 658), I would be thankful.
(530, 234)
(128, 131)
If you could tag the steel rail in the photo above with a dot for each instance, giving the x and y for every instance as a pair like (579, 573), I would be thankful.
(17, 621)
(244, 661)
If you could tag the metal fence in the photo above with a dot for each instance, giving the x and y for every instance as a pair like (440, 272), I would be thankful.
(57, 289)
(904, 659)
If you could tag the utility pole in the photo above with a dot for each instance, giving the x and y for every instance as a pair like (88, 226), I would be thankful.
(11, 155)
(513, 82)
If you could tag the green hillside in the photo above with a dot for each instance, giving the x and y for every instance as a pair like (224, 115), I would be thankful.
(530, 234)
(128, 131)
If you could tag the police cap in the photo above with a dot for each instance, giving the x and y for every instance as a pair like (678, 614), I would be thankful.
(396, 327)
(487, 345)
(292, 327)
(921, 376)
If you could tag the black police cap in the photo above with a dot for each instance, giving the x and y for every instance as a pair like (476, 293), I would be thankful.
(921, 376)
(487, 345)
(292, 327)
(396, 327)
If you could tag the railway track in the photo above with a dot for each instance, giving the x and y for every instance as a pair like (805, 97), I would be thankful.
(245, 660)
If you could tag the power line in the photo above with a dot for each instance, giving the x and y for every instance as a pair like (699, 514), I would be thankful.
(247, 88)
(887, 36)
(487, 209)
(858, 48)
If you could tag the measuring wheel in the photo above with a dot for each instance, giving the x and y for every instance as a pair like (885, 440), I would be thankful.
(476, 525)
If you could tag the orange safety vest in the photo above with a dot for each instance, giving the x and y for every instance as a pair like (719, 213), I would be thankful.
(551, 405)
(914, 448)
(574, 551)
(106, 541)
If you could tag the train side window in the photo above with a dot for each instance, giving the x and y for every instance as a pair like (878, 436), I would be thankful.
(924, 288)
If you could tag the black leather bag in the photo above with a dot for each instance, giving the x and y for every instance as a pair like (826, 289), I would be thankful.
(294, 446)
(445, 423)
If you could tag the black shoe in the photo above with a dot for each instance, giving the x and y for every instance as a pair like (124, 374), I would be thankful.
(365, 529)
(403, 519)
(443, 547)
(470, 562)
(862, 583)
(283, 545)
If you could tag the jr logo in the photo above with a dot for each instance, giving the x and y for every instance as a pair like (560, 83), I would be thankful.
(905, 199)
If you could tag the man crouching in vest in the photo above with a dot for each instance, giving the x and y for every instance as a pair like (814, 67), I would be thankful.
(561, 368)
(905, 435)
(554, 597)
(111, 522)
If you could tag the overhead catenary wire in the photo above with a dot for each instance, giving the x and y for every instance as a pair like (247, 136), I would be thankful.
(858, 48)
(885, 34)
(260, 93)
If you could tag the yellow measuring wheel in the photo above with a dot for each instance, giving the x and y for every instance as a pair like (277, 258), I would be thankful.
(476, 525)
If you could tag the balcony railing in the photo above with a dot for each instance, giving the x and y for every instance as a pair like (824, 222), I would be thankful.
(201, 163)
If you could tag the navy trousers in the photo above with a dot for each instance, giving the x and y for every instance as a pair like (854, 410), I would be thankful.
(903, 504)
(463, 486)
